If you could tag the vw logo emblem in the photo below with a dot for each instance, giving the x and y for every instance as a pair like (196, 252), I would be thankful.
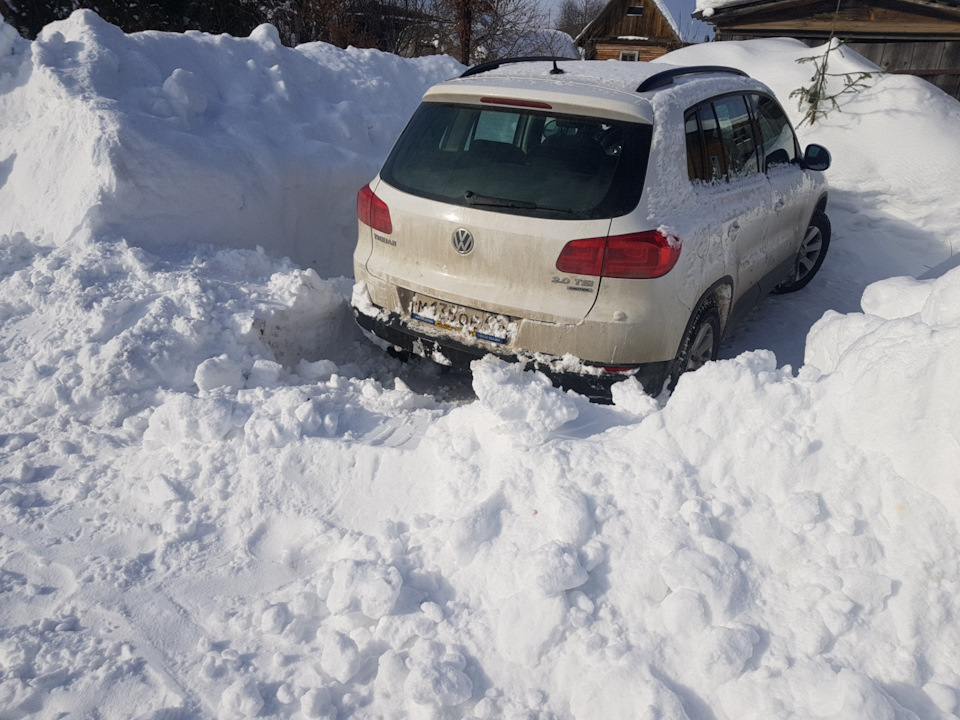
(463, 241)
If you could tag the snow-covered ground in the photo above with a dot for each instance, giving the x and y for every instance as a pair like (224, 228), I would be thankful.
(218, 501)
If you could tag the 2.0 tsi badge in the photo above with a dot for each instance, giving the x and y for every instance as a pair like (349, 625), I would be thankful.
(463, 241)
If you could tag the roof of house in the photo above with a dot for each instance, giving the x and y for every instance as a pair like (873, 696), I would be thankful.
(706, 9)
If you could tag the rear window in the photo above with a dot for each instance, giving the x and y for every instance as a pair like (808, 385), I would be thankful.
(520, 161)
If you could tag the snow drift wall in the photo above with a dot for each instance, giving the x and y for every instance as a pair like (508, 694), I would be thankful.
(161, 137)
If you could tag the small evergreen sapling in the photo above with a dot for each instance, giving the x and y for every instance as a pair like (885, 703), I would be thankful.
(817, 98)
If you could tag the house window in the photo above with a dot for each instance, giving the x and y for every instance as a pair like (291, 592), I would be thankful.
(631, 55)
(635, 10)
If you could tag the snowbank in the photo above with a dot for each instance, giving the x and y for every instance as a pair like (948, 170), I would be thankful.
(237, 536)
(162, 137)
(218, 501)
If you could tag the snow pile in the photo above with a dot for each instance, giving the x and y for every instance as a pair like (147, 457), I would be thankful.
(296, 540)
(161, 137)
(219, 501)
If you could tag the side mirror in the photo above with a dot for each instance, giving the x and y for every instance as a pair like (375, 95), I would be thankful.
(816, 157)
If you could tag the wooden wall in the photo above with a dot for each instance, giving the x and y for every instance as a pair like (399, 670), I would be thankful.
(611, 51)
(936, 61)
(901, 36)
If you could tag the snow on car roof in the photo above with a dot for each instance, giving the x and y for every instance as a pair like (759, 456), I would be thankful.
(610, 87)
(611, 75)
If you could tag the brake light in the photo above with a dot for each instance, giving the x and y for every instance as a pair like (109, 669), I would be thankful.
(373, 211)
(648, 254)
(513, 102)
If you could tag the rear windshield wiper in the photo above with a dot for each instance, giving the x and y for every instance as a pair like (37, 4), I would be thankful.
(473, 199)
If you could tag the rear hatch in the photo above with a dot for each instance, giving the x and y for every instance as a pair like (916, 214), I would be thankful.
(483, 197)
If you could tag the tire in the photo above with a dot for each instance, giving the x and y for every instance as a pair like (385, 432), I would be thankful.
(700, 344)
(813, 249)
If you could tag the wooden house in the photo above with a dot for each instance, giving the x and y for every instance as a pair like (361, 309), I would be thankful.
(919, 37)
(630, 30)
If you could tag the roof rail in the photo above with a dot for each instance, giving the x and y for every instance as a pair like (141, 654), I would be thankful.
(494, 64)
(664, 78)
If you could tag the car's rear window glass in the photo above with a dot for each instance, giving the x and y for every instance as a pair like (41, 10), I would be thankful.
(520, 161)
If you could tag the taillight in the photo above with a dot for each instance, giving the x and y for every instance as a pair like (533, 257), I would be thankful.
(648, 254)
(373, 211)
(582, 257)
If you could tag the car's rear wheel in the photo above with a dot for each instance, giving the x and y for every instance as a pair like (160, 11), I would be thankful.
(813, 249)
(700, 343)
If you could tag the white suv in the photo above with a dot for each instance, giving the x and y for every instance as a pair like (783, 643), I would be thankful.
(594, 220)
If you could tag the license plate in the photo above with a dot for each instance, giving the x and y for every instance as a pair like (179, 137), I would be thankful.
(482, 325)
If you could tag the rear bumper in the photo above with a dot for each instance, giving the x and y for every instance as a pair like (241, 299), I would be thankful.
(446, 351)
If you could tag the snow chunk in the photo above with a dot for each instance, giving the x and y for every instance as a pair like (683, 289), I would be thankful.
(557, 569)
(712, 572)
(724, 652)
(567, 513)
(436, 676)
(684, 612)
(365, 586)
(315, 704)
(266, 34)
(481, 525)
(526, 402)
(221, 371)
(186, 419)
(185, 92)
(630, 396)
(275, 619)
(340, 656)
(529, 624)
(868, 589)
(242, 699)
(638, 695)
(942, 308)
(895, 298)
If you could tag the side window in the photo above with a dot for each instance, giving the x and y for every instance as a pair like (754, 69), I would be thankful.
(736, 131)
(721, 139)
(779, 142)
(716, 163)
(695, 165)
